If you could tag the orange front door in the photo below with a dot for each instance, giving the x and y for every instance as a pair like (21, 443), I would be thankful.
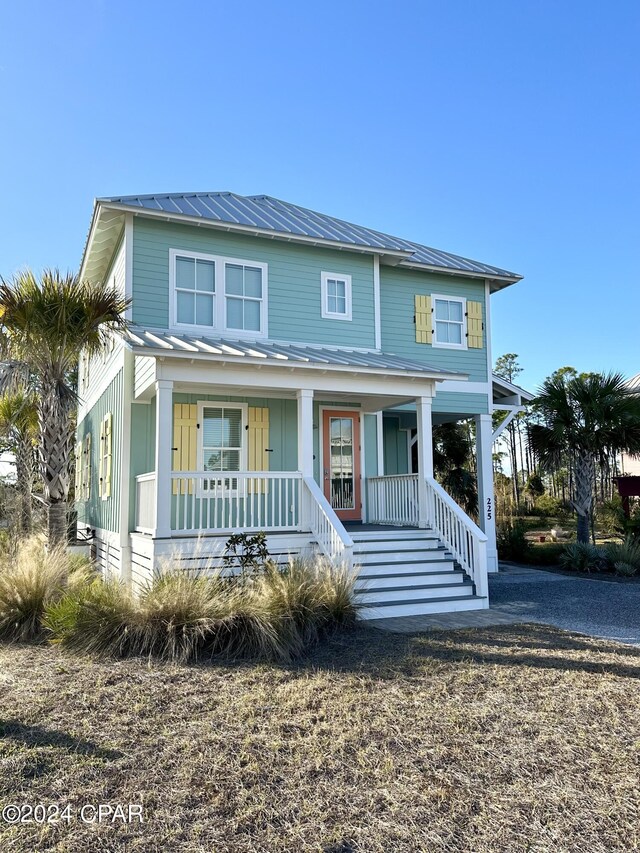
(341, 462)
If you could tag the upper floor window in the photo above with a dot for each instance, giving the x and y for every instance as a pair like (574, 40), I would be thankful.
(449, 322)
(213, 293)
(336, 296)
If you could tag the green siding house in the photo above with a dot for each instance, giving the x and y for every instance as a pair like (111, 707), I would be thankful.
(281, 372)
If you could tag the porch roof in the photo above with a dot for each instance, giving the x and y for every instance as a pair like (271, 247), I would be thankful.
(152, 342)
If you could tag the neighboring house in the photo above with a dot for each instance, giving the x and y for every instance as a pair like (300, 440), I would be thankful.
(630, 465)
(282, 372)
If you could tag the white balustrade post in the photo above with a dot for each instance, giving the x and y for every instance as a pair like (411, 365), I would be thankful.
(486, 500)
(164, 428)
(425, 457)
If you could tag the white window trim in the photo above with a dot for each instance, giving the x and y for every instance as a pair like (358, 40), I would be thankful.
(219, 296)
(330, 315)
(463, 301)
(244, 443)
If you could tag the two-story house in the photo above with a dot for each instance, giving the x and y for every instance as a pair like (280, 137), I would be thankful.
(282, 373)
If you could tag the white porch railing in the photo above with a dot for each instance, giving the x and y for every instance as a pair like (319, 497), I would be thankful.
(333, 540)
(460, 534)
(393, 499)
(223, 501)
(146, 502)
(227, 501)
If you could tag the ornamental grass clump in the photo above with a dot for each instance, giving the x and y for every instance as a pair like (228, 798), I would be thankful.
(32, 580)
(276, 614)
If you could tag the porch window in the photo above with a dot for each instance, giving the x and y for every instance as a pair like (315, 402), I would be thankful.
(222, 445)
(336, 296)
(449, 316)
(214, 293)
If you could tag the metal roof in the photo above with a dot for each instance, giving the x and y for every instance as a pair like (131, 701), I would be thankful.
(293, 354)
(634, 383)
(270, 214)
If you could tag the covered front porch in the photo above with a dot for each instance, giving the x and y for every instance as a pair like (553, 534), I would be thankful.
(292, 449)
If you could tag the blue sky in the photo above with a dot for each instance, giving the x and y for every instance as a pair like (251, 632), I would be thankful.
(505, 131)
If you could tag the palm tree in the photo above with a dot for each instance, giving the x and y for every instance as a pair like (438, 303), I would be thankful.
(588, 419)
(453, 462)
(19, 429)
(44, 324)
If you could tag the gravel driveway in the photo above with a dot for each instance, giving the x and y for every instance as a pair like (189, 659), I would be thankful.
(595, 607)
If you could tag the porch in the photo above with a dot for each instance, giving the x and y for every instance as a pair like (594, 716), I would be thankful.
(306, 448)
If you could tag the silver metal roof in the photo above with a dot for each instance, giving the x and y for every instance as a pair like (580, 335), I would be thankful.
(634, 383)
(300, 354)
(266, 213)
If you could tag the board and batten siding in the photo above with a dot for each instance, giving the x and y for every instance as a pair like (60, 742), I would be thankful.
(398, 289)
(96, 512)
(294, 281)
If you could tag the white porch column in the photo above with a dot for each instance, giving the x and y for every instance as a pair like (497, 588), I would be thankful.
(486, 500)
(425, 455)
(305, 432)
(164, 441)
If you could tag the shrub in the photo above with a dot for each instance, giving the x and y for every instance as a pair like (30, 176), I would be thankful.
(549, 507)
(276, 614)
(625, 569)
(610, 515)
(512, 542)
(624, 557)
(31, 581)
(584, 557)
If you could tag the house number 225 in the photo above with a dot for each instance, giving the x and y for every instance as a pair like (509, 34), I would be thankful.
(489, 509)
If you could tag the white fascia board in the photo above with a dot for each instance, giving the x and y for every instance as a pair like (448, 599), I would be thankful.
(89, 240)
(291, 366)
(274, 376)
(483, 276)
(253, 230)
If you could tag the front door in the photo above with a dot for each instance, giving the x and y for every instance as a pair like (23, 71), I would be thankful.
(341, 462)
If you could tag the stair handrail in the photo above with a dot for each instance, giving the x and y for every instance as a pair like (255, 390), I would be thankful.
(319, 515)
(461, 535)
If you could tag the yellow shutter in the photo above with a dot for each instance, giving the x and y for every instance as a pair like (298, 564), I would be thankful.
(78, 479)
(86, 468)
(423, 319)
(258, 439)
(185, 443)
(101, 461)
(106, 485)
(474, 325)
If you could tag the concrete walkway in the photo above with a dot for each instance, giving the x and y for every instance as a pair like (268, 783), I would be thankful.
(521, 594)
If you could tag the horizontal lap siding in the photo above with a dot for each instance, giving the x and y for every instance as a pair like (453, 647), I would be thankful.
(294, 281)
(96, 512)
(398, 289)
(451, 402)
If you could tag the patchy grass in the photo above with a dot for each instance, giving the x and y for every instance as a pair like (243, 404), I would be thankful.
(516, 738)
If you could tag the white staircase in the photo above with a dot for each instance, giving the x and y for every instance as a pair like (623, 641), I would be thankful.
(409, 572)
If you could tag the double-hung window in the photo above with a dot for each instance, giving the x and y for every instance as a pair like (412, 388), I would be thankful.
(221, 443)
(195, 291)
(336, 296)
(449, 322)
(218, 294)
(243, 293)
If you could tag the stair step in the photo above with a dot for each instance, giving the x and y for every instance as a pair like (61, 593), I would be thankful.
(430, 555)
(415, 592)
(396, 533)
(418, 579)
(371, 570)
(382, 545)
(422, 607)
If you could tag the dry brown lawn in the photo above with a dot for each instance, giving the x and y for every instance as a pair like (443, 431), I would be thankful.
(502, 739)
